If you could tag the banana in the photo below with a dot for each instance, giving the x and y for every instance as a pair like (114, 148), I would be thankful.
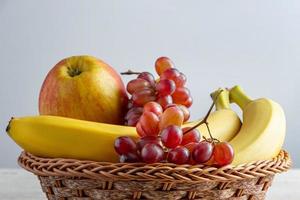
(263, 131)
(224, 123)
(60, 137)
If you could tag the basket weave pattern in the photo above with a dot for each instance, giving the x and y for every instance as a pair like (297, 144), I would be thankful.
(70, 179)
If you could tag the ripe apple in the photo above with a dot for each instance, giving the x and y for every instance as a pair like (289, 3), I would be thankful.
(84, 87)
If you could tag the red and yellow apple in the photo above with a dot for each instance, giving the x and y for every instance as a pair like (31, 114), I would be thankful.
(84, 87)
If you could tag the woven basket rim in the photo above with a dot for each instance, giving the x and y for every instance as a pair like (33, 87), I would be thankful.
(163, 172)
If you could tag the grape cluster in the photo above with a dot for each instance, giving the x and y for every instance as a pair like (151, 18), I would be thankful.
(167, 90)
(158, 109)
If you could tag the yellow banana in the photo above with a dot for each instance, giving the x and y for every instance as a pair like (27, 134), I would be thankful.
(224, 123)
(263, 131)
(52, 136)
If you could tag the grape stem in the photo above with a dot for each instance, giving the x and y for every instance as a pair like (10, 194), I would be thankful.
(130, 72)
(204, 120)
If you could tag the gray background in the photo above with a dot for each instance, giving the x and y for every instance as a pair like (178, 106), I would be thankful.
(215, 43)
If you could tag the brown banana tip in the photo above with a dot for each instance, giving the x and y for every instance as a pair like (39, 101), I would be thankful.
(8, 126)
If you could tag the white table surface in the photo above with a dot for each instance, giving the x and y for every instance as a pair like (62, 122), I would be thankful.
(17, 184)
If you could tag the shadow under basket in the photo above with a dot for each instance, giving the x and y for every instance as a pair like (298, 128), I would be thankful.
(70, 179)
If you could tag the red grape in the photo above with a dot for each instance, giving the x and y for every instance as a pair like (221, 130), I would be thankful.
(171, 136)
(148, 77)
(142, 97)
(140, 131)
(124, 145)
(129, 158)
(191, 146)
(136, 85)
(188, 102)
(223, 153)
(149, 123)
(153, 107)
(191, 136)
(170, 74)
(133, 120)
(152, 153)
(181, 80)
(181, 95)
(163, 63)
(133, 112)
(186, 112)
(171, 116)
(179, 155)
(146, 140)
(165, 101)
(165, 87)
(203, 152)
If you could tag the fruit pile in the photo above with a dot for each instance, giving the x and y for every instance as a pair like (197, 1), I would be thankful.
(167, 90)
(84, 104)
(158, 109)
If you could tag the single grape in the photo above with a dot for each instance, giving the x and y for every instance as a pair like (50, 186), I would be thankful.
(186, 113)
(179, 155)
(133, 112)
(181, 80)
(223, 153)
(136, 85)
(191, 146)
(146, 140)
(124, 145)
(181, 95)
(133, 116)
(171, 136)
(150, 123)
(142, 97)
(191, 136)
(140, 131)
(129, 158)
(153, 107)
(188, 103)
(163, 63)
(165, 101)
(165, 87)
(170, 74)
(133, 120)
(203, 152)
(171, 116)
(148, 77)
(152, 153)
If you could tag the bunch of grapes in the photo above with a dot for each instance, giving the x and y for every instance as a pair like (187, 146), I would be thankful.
(158, 110)
(166, 90)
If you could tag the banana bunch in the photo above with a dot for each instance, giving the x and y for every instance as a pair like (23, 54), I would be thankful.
(60, 137)
(263, 131)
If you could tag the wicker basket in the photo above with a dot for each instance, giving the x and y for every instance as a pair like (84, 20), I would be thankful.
(69, 179)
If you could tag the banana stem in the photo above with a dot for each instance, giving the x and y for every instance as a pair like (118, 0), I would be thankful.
(130, 72)
(238, 96)
(222, 101)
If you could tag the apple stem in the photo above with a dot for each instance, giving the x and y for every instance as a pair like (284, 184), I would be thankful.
(204, 120)
(130, 72)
